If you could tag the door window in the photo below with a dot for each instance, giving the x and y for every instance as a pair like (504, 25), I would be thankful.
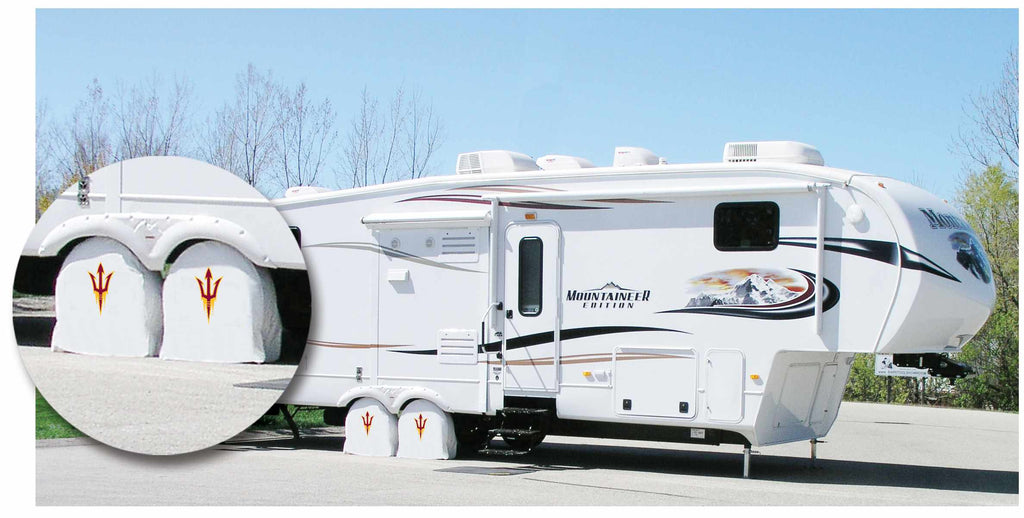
(531, 273)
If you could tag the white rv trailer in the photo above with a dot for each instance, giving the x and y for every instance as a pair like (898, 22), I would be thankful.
(710, 303)
(156, 208)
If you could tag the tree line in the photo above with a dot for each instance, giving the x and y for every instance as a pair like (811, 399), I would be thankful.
(271, 135)
(987, 195)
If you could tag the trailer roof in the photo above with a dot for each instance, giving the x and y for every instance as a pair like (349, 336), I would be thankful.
(811, 172)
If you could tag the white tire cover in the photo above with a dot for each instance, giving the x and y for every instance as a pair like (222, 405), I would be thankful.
(426, 432)
(370, 429)
(106, 302)
(219, 307)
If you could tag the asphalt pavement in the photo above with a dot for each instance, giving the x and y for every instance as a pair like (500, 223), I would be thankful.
(874, 455)
(154, 406)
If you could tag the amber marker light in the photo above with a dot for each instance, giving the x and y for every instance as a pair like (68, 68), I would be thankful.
(755, 377)
(531, 215)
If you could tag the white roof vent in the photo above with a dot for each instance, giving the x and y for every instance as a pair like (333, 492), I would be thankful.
(494, 161)
(634, 156)
(304, 190)
(772, 151)
(553, 162)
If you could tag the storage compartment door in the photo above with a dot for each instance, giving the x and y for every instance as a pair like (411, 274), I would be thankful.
(655, 382)
(724, 386)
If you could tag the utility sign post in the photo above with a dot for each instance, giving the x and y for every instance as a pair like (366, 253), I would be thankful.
(884, 367)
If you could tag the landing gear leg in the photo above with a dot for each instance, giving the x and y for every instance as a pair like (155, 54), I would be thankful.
(746, 461)
(290, 419)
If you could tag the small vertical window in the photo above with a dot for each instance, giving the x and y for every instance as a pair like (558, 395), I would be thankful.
(746, 226)
(531, 274)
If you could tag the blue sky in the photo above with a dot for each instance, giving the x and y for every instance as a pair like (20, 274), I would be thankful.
(876, 91)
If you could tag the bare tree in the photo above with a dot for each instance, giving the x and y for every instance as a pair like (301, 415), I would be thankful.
(307, 137)
(82, 145)
(149, 126)
(361, 143)
(241, 136)
(407, 135)
(423, 135)
(44, 159)
(992, 134)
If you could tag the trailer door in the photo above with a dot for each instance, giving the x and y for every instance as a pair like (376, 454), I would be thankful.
(530, 346)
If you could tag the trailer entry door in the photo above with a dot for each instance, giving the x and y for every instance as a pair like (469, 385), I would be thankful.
(530, 347)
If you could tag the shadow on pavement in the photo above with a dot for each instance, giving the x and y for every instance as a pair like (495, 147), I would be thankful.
(698, 463)
(773, 468)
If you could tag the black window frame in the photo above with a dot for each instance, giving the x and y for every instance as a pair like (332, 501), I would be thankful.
(539, 277)
(718, 235)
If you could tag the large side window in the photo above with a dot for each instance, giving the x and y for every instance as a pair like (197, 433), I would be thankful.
(531, 275)
(746, 226)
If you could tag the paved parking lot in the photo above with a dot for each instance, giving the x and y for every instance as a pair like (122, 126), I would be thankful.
(151, 405)
(875, 455)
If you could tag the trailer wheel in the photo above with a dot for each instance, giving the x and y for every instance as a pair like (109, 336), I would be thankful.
(219, 307)
(106, 302)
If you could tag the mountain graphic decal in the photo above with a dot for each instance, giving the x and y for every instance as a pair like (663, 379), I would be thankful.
(754, 290)
(770, 294)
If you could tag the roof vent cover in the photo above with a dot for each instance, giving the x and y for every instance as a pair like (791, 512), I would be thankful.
(555, 162)
(634, 156)
(772, 151)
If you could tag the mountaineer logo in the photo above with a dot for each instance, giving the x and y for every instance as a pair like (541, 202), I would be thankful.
(609, 296)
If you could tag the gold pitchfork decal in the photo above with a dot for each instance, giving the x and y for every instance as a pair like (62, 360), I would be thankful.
(209, 294)
(421, 424)
(367, 421)
(99, 288)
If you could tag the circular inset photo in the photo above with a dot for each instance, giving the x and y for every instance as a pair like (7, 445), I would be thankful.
(161, 305)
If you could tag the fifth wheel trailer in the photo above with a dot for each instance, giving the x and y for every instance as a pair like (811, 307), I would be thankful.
(710, 303)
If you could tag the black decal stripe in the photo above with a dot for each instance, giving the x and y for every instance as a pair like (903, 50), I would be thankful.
(932, 268)
(549, 336)
(883, 251)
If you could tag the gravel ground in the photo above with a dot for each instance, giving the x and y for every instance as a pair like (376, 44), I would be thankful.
(149, 405)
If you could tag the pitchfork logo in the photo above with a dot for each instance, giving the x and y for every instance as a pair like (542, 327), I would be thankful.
(209, 294)
(100, 286)
(421, 424)
(367, 421)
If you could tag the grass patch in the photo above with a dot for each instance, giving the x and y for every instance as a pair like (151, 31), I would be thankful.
(306, 418)
(49, 424)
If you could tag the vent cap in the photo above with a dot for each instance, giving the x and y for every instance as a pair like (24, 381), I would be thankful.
(493, 161)
(634, 156)
(555, 162)
(772, 151)
(304, 190)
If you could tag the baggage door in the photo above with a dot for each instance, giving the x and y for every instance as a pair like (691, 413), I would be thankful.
(530, 346)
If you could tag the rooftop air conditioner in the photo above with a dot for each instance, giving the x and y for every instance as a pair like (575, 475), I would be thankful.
(772, 151)
(494, 161)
